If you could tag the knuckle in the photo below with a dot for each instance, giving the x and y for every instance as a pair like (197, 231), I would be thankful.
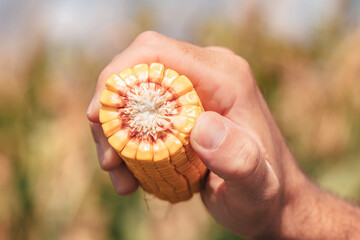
(222, 49)
(189, 49)
(105, 166)
(125, 188)
(149, 39)
(227, 51)
(245, 74)
(243, 65)
(109, 160)
(90, 115)
(104, 74)
(119, 190)
(115, 58)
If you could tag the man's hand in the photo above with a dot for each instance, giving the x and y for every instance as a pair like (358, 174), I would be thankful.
(255, 188)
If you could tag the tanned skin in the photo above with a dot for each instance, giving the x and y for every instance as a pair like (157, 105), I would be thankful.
(255, 188)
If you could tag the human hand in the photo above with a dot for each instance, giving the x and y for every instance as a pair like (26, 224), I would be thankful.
(254, 181)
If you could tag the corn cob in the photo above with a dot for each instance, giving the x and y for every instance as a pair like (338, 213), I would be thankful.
(147, 115)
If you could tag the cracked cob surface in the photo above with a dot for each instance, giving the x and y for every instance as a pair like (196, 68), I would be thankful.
(147, 115)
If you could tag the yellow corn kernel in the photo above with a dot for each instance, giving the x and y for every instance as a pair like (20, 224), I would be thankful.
(119, 140)
(116, 84)
(190, 111)
(173, 144)
(141, 71)
(111, 99)
(181, 86)
(161, 154)
(156, 72)
(183, 124)
(128, 76)
(168, 96)
(145, 151)
(149, 126)
(169, 77)
(111, 127)
(185, 121)
(107, 114)
(191, 98)
(184, 138)
(130, 149)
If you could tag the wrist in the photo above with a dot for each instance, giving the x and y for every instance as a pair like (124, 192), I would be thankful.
(300, 204)
(309, 212)
(297, 203)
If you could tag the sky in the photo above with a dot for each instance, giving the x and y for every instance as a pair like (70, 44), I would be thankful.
(91, 23)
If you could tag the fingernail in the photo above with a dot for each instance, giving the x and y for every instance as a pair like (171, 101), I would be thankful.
(210, 132)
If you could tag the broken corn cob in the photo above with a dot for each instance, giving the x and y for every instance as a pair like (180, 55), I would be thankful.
(147, 115)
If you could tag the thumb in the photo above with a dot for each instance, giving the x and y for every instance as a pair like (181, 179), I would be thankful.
(232, 153)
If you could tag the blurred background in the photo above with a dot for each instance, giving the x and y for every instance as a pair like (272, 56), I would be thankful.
(306, 58)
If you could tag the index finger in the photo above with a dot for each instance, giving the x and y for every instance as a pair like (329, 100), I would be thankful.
(193, 61)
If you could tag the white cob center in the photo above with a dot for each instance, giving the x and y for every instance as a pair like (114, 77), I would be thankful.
(147, 110)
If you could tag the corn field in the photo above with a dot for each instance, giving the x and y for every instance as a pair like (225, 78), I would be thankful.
(51, 186)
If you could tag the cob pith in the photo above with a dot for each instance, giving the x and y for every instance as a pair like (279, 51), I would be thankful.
(147, 115)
